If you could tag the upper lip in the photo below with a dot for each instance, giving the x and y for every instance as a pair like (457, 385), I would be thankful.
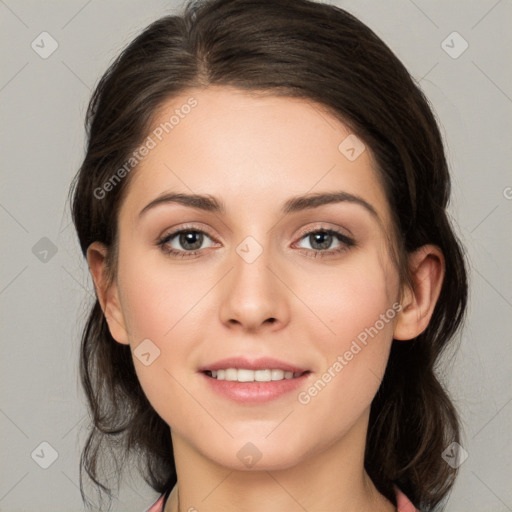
(261, 363)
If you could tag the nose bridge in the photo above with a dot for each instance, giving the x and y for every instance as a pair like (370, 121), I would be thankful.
(253, 294)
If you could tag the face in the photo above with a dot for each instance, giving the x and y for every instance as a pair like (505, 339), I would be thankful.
(265, 283)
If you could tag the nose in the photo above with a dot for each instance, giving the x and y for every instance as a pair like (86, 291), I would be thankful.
(253, 297)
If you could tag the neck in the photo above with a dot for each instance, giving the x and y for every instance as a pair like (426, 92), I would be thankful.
(332, 479)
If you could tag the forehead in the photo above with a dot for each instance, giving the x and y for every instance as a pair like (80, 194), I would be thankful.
(232, 144)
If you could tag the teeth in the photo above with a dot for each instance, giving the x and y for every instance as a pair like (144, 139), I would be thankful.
(231, 374)
(277, 374)
(244, 375)
(262, 375)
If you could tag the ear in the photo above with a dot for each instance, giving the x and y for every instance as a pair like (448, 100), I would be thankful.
(108, 295)
(427, 268)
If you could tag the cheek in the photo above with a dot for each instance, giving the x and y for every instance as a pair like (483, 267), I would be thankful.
(164, 307)
(356, 303)
(352, 298)
(152, 311)
(156, 300)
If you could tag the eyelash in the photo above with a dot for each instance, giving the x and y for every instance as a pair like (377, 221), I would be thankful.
(344, 239)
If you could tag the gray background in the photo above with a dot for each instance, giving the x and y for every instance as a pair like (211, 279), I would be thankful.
(44, 297)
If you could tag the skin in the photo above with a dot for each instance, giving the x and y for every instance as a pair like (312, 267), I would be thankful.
(254, 153)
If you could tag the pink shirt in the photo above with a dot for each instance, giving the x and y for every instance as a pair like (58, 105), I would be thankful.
(402, 503)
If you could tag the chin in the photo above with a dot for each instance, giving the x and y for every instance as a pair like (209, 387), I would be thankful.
(255, 453)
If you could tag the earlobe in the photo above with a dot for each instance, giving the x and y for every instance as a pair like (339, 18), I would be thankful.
(106, 292)
(427, 268)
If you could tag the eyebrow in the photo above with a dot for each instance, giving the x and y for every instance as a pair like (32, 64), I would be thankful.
(295, 204)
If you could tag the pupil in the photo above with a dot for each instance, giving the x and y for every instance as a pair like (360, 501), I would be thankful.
(324, 244)
(188, 238)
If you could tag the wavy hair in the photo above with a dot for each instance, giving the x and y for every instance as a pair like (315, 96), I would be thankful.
(292, 48)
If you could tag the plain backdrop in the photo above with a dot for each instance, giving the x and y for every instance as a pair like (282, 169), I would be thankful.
(45, 289)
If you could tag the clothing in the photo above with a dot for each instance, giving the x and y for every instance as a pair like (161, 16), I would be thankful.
(159, 504)
(402, 502)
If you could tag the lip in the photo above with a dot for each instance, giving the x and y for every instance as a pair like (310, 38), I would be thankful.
(254, 392)
(261, 363)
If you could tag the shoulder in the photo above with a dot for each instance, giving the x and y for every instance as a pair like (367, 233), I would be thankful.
(403, 504)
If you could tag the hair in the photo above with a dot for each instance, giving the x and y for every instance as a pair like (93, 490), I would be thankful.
(300, 49)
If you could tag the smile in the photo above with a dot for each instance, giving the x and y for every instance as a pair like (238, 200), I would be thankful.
(245, 375)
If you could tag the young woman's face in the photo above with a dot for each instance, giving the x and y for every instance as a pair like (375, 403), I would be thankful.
(263, 282)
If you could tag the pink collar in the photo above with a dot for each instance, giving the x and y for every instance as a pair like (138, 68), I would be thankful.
(403, 504)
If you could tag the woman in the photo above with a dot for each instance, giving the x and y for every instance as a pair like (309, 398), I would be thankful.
(262, 206)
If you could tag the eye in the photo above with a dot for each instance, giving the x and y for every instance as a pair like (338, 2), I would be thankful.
(185, 242)
(322, 239)
(188, 242)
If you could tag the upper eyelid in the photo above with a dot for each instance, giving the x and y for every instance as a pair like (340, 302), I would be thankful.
(176, 231)
(324, 227)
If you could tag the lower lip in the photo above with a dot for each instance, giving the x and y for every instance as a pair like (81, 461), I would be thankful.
(255, 392)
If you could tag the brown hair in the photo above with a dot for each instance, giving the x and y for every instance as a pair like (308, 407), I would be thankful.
(303, 49)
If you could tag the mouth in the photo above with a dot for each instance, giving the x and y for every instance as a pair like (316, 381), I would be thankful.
(249, 381)
(247, 375)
